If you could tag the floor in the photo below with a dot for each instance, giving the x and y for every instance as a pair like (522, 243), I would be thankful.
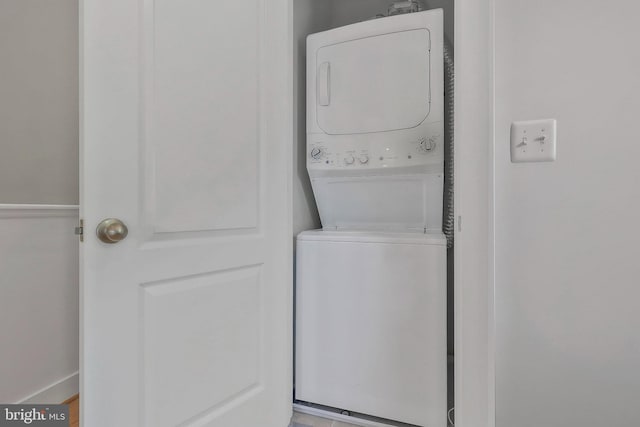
(298, 420)
(74, 419)
(304, 420)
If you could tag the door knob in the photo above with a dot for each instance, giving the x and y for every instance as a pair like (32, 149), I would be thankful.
(111, 230)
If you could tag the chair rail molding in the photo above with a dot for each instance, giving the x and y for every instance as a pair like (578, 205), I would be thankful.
(37, 211)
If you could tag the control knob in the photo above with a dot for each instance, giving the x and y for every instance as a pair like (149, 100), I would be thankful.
(364, 159)
(316, 153)
(427, 144)
(349, 160)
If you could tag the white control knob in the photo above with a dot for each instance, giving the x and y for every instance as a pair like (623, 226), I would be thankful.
(427, 144)
(316, 153)
(364, 159)
(349, 160)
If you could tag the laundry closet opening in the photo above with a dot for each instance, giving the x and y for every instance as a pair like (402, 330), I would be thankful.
(373, 211)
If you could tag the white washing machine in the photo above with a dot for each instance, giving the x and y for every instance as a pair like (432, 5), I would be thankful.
(371, 286)
(371, 324)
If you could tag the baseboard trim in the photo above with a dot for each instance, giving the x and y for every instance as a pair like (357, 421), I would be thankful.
(310, 410)
(57, 392)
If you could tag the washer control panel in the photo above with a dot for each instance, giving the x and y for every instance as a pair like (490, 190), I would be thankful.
(382, 150)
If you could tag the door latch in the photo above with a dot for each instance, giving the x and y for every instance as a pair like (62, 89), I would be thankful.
(79, 231)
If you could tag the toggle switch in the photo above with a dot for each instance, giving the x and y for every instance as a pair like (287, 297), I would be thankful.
(533, 141)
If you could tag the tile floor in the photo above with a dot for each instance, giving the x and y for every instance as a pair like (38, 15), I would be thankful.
(304, 420)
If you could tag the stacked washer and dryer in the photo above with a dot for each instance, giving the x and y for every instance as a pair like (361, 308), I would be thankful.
(371, 333)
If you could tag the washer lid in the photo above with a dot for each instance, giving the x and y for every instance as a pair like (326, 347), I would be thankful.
(374, 84)
(374, 237)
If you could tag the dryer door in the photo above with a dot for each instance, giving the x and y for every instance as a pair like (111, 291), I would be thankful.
(374, 84)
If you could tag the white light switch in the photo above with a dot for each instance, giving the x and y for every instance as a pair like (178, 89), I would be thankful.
(533, 141)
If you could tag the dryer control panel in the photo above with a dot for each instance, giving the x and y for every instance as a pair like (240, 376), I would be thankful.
(423, 145)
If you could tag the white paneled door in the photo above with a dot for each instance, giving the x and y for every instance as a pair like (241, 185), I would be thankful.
(186, 139)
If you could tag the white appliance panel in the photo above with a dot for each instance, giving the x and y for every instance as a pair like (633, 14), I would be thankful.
(381, 152)
(394, 203)
(371, 324)
(385, 86)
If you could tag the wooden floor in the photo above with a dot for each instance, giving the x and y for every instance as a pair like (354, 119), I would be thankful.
(74, 419)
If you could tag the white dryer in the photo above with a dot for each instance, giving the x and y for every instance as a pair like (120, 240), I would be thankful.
(375, 111)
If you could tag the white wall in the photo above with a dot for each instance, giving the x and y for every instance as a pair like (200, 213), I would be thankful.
(39, 101)
(38, 165)
(38, 303)
(473, 294)
(567, 252)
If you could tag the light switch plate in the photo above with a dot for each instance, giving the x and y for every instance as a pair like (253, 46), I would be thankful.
(533, 141)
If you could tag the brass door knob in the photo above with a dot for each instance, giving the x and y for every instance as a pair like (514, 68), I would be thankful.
(111, 230)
